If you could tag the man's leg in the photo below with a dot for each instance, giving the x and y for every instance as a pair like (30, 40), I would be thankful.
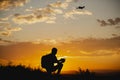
(59, 68)
(49, 71)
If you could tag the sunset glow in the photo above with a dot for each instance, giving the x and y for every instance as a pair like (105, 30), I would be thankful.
(87, 38)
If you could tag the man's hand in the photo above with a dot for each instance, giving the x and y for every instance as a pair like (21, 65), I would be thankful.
(62, 60)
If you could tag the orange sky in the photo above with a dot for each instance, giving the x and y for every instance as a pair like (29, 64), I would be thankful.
(88, 53)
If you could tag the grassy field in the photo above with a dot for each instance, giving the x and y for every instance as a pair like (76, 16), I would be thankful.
(20, 72)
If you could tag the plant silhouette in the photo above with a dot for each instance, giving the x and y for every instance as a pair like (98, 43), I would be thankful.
(20, 72)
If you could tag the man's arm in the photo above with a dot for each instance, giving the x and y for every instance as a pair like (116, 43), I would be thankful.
(55, 60)
(62, 60)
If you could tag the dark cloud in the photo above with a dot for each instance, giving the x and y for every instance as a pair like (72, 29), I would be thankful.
(17, 14)
(6, 4)
(5, 42)
(117, 20)
(5, 33)
(86, 47)
(76, 0)
(92, 44)
(115, 35)
(117, 27)
(109, 22)
(102, 22)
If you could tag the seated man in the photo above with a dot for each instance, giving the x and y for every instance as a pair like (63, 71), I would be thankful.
(48, 62)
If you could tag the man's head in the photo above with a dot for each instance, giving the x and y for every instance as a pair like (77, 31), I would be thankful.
(54, 51)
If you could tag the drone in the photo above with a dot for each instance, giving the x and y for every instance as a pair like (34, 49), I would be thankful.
(80, 7)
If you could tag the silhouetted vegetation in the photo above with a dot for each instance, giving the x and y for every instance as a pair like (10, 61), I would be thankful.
(20, 72)
(86, 75)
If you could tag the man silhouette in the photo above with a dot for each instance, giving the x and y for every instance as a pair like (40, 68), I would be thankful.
(49, 60)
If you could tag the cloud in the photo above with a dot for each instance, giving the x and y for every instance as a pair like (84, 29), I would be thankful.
(96, 53)
(5, 33)
(100, 52)
(47, 15)
(93, 47)
(102, 22)
(32, 18)
(13, 29)
(115, 35)
(109, 22)
(4, 24)
(4, 19)
(50, 22)
(86, 47)
(46, 11)
(59, 4)
(76, 12)
(91, 44)
(117, 27)
(6, 4)
(6, 29)
(46, 42)
(76, 0)
(5, 42)
(63, 5)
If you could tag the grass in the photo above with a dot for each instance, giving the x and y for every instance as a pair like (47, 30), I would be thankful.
(20, 72)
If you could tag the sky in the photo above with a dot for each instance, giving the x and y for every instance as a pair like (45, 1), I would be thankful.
(87, 38)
